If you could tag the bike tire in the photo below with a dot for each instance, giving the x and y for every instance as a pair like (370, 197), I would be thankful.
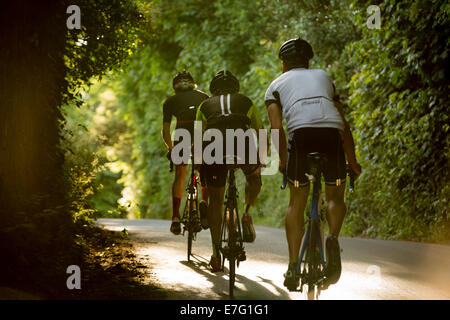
(313, 256)
(190, 232)
(312, 292)
(232, 275)
(189, 247)
(232, 258)
(312, 261)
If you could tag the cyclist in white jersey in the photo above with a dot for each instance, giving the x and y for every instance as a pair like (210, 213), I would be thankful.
(315, 123)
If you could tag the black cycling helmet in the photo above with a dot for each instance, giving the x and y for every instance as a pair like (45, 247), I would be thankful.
(224, 82)
(183, 81)
(296, 49)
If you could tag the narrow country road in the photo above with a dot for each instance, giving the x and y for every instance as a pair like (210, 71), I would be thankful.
(372, 269)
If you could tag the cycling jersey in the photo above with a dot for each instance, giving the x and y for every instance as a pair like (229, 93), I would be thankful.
(306, 98)
(230, 111)
(183, 105)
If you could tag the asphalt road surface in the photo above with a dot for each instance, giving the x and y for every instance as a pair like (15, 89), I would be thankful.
(371, 269)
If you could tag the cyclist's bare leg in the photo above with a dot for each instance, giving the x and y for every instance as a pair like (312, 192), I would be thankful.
(215, 212)
(337, 209)
(203, 188)
(178, 182)
(252, 187)
(294, 223)
(178, 188)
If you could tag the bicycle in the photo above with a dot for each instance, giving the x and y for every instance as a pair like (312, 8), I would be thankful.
(231, 243)
(311, 262)
(190, 218)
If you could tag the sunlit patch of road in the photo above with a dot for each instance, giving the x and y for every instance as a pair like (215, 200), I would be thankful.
(372, 269)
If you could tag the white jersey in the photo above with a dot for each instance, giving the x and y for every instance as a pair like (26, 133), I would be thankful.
(306, 98)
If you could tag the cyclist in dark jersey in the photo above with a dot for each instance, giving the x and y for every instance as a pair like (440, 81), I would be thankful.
(315, 123)
(183, 105)
(228, 109)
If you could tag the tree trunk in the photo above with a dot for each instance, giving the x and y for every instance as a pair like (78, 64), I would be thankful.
(32, 37)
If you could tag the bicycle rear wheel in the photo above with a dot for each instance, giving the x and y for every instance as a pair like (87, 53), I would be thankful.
(190, 231)
(232, 275)
(232, 256)
(190, 237)
(313, 260)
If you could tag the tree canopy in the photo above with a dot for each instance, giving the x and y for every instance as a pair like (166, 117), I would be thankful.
(391, 79)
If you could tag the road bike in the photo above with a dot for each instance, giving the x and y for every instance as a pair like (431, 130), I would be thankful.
(311, 262)
(231, 243)
(190, 218)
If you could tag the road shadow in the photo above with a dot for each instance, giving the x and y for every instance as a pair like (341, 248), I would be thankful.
(253, 290)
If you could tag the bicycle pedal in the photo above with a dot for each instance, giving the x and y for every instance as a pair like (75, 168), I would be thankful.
(241, 256)
(197, 228)
(225, 252)
(297, 289)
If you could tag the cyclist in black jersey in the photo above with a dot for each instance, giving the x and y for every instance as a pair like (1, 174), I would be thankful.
(183, 105)
(228, 109)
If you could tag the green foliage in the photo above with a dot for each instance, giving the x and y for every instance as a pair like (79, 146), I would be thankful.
(95, 140)
(207, 37)
(392, 81)
(109, 34)
(399, 98)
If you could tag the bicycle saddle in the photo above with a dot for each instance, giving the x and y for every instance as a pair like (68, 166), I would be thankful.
(231, 161)
(316, 161)
(317, 156)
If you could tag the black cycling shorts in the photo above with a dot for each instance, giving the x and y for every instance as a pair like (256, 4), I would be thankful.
(216, 174)
(327, 141)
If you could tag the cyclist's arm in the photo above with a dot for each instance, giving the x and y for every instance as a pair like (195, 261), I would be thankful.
(276, 122)
(166, 135)
(165, 132)
(348, 143)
